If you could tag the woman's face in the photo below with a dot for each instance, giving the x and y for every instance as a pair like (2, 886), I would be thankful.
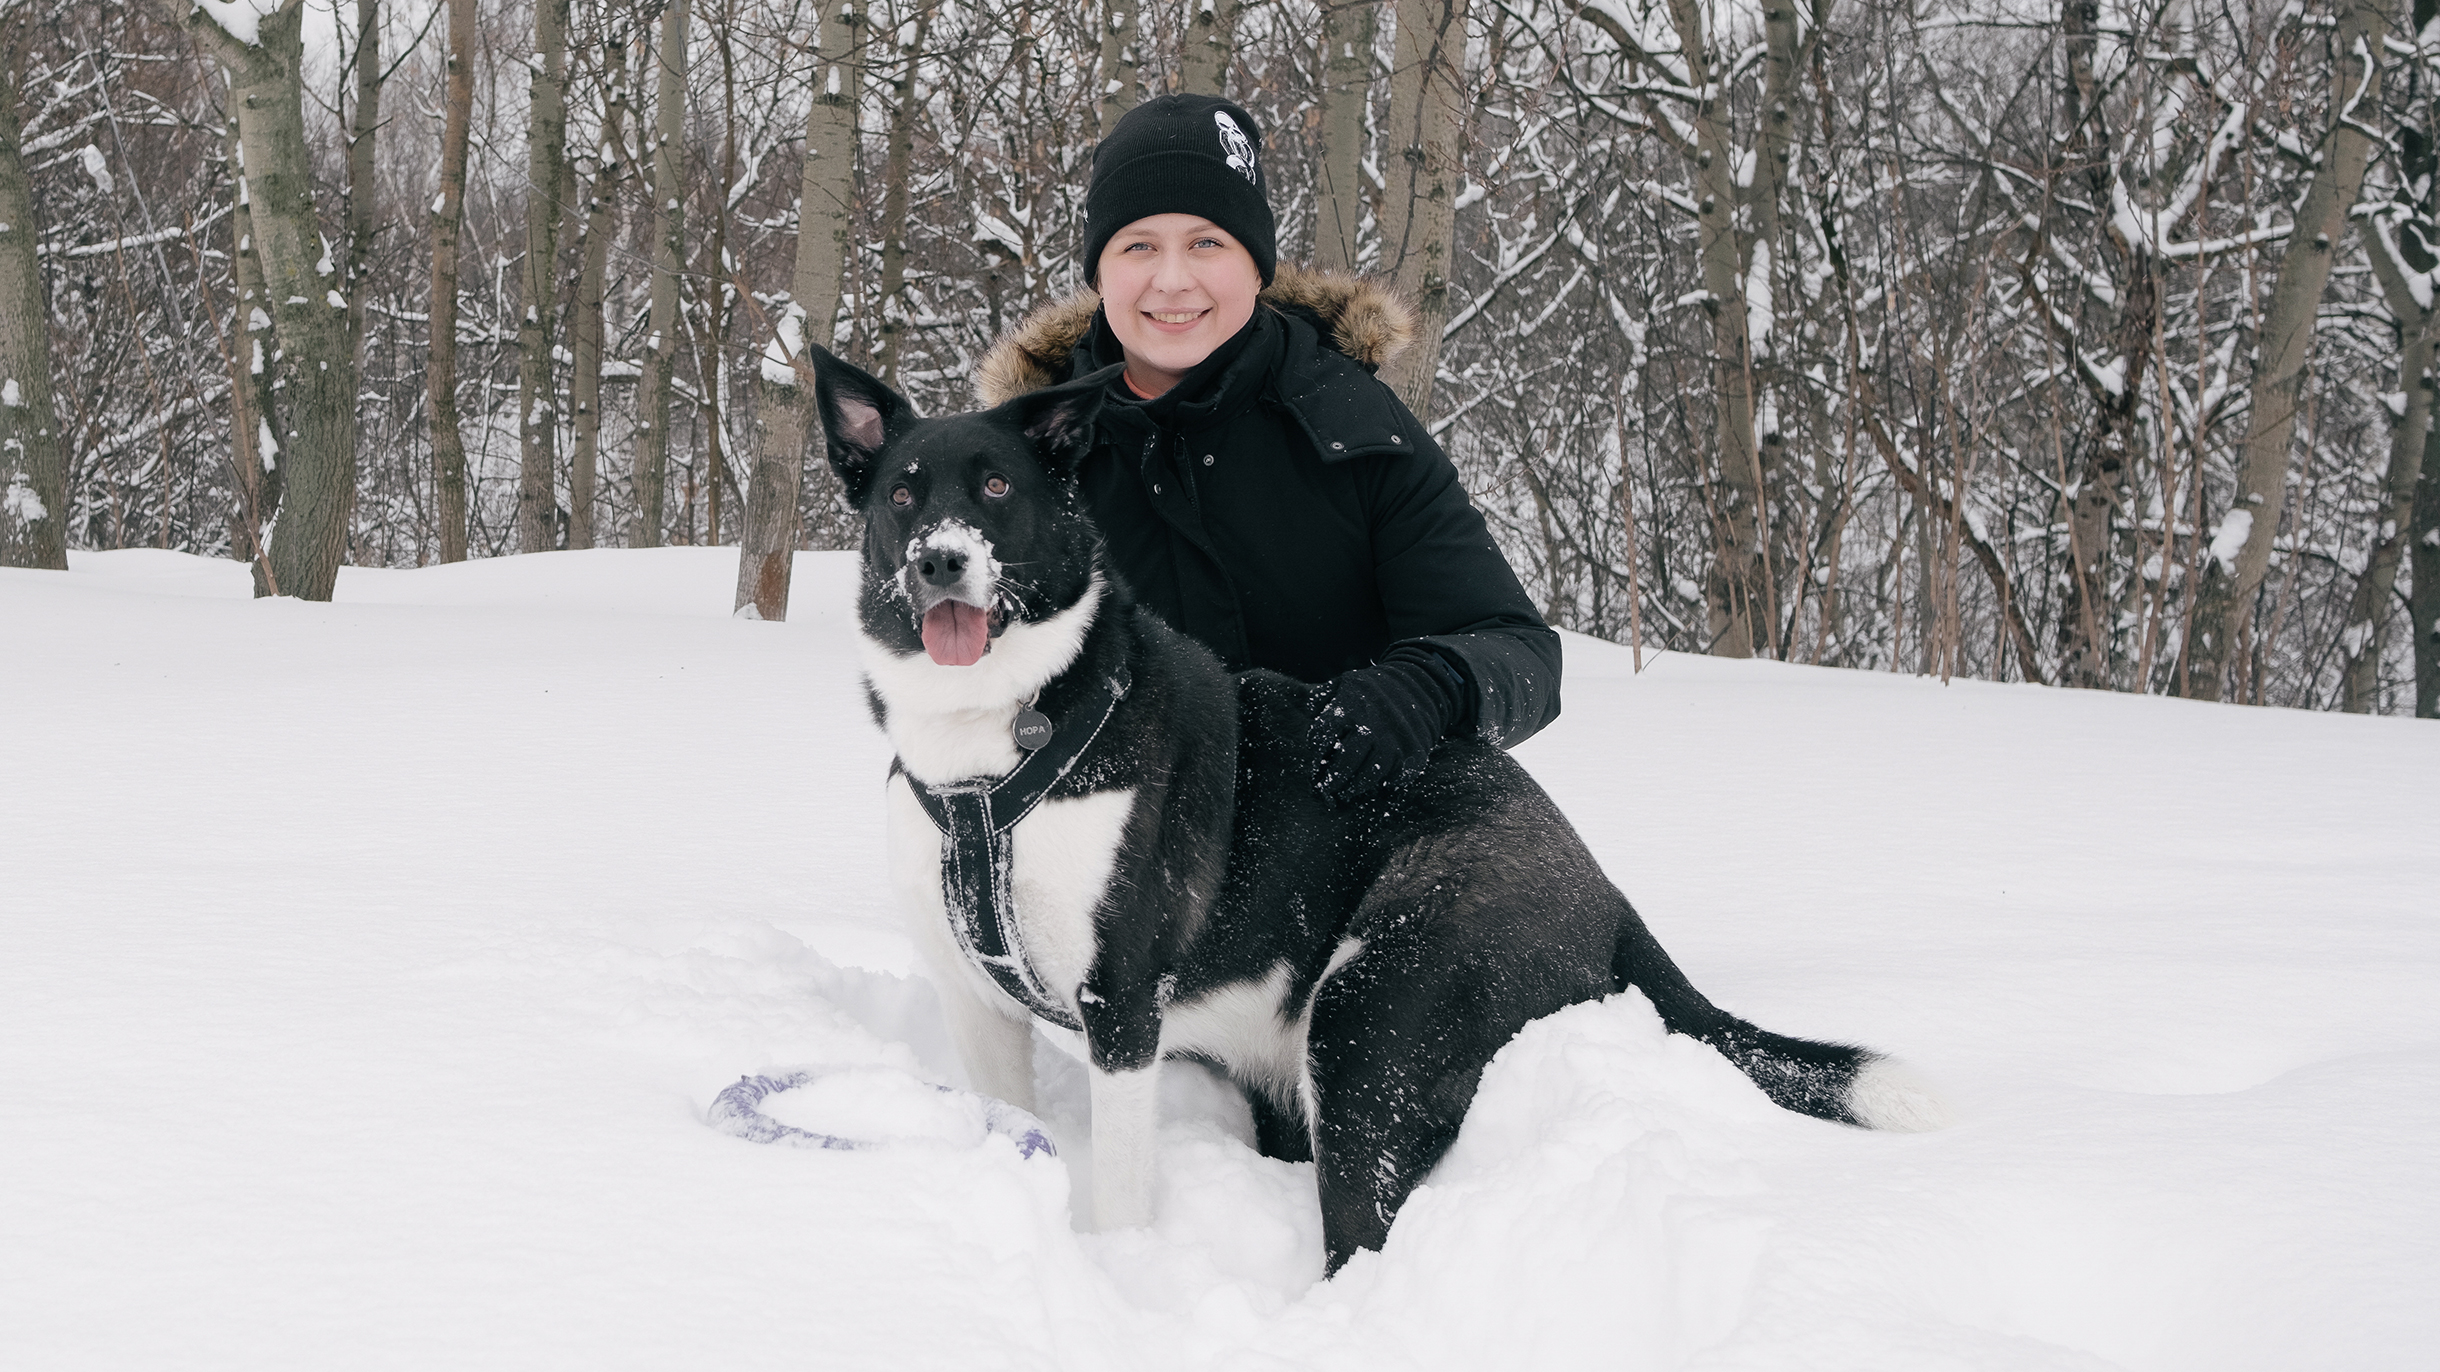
(1174, 287)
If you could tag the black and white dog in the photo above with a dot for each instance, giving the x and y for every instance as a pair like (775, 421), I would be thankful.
(1092, 823)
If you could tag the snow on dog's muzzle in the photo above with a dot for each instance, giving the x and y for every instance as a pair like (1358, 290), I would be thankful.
(952, 580)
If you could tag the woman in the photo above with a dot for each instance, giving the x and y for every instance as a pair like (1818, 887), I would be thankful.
(1258, 487)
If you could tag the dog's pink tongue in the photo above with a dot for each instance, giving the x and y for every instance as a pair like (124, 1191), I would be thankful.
(955, 634)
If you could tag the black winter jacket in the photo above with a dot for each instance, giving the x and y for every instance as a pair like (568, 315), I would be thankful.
(1281, 505)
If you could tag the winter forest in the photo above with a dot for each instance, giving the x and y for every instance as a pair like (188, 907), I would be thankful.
(2079, 343)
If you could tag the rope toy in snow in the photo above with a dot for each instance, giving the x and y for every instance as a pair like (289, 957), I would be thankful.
(734, 1111)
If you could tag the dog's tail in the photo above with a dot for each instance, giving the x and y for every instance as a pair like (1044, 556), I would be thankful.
(1832, 1081)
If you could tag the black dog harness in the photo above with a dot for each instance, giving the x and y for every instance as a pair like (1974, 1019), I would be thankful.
(974, 819)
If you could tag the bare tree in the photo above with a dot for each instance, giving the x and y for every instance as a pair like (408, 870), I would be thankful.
(608, 172)
(1345, 95)
(448, 217)
(825, 203)
(33, 473)
(309, 315)
(668, 258)
(1121, 63)
(2241, 549)
(546, 156)
(1419, 205)
(897, 169)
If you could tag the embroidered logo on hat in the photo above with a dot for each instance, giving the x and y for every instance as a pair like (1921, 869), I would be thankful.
(1239, 148)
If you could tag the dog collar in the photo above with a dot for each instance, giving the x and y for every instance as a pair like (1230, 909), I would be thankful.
(974, 819)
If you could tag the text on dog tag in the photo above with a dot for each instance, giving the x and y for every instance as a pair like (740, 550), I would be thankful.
(1033, 729)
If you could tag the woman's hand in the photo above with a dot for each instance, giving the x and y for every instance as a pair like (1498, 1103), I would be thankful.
(1376, 725)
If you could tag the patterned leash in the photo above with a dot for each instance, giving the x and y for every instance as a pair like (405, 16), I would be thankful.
(737, 1111)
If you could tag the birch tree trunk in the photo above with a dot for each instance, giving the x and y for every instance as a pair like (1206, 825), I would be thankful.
(1338, 210)
(448, 217)
(309, 315)
(1733, 592)
(2410, 439)
(546, 153)
(2423, 609)
(254, 411)
(1419, 203)
(2241, 547)
(891, 301)
(1120, 62)
(33, 465)
(784, 395)
(362, 195)
(1211, 47)
(668, 255)
(586, 329)
(711, 364)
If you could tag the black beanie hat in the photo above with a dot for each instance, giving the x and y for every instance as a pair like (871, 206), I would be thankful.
(1182, 154)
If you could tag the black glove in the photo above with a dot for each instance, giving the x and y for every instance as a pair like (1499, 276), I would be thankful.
(1376, 725)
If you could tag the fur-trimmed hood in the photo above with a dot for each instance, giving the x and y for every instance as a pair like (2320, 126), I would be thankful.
(1365, 319)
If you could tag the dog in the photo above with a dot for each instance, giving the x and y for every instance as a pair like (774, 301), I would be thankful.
(1093, 824)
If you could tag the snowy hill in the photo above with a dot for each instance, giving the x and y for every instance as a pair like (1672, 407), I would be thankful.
(366, 969)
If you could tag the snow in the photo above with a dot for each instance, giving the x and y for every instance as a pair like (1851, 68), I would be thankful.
(19, 500)
(787, 344)
(11, 394)
(2230, 539)
(367, 970)
(242, 19)
(98, 169)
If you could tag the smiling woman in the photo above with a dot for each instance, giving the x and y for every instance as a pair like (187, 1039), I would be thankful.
(1174, 287)
(1257, 486)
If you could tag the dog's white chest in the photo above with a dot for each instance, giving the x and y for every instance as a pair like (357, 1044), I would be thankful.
(1060, 859)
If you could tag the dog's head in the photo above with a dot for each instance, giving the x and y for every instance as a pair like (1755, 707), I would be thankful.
(971, 522)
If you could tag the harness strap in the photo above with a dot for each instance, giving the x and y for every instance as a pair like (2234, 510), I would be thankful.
(975, 819)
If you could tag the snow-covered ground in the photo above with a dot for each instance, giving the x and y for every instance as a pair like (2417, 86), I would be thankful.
(366, 970)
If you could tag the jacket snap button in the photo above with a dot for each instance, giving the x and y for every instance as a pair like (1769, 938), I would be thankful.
(1339, 446)
(1208, 459)
(1156, 490)
(1394, 438)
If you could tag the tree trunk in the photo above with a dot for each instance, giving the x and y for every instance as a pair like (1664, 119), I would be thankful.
(586, 330)
(2423, 610)
(362, 132)
(711, 349)
(253, 412)
(1120, 63)
(33, 465)
(546, 153)
(1733, 593)
(891, 303)
(2369, 609)
(2088, 630)
(1211, 46)
(668, 256)
(1418, 208)
(2410, 441)
(1338, 211)
(448, 216)
(784, 398)
(309, 315)
(2241, 548)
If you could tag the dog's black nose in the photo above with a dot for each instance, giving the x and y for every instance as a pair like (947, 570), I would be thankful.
(941, 566)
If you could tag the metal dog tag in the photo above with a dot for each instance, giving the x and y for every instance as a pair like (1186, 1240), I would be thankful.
(1033, 729)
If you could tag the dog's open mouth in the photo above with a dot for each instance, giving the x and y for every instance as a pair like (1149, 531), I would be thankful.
(957, 634)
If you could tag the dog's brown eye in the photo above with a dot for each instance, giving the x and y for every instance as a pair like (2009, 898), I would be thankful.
(900, 495)
(995, 485)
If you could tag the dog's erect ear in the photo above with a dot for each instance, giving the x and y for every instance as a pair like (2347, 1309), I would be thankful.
(859, 417)
(1060, 419)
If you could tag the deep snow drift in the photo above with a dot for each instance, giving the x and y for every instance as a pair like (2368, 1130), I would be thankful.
(366, 970)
